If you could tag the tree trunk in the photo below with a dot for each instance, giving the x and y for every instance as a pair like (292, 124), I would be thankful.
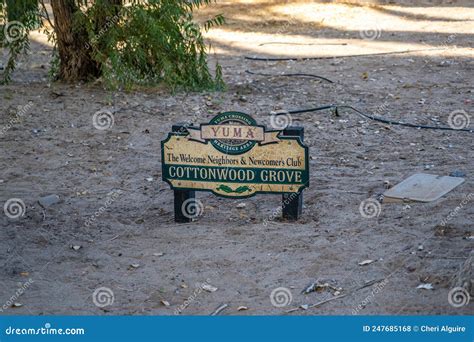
(76, 63)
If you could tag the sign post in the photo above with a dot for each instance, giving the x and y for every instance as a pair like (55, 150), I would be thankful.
(181, 197)
(292, 203)
(234, 157)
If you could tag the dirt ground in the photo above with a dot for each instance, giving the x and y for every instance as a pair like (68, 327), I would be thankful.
(156, 267)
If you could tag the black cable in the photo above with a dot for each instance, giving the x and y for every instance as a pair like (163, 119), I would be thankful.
(336, 107)
(298, 111)
(276, 59)
(288, 75)
(372, 117)
(290, 43)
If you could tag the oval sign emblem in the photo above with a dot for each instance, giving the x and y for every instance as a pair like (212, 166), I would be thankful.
(233, 138)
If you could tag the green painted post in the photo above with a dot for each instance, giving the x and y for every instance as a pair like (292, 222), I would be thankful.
(181, 196)
(292, 202)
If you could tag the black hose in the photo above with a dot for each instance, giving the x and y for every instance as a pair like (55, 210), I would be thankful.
(290, 43)
(288, 75)
(276, 59)
(373, 117)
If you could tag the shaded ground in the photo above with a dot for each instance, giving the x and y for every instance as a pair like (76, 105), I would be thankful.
(55, 149)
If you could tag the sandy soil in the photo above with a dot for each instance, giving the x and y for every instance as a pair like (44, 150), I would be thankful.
(55, 149)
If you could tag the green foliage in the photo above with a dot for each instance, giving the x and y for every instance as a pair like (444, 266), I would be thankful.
(17, 8)
(146, 44)
(15, 24)
(136, 43)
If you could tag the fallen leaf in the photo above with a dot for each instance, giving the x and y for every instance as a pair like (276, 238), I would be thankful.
(314, 287)
(209, 288)
(427, 286)
(366, 262)
(318, 287)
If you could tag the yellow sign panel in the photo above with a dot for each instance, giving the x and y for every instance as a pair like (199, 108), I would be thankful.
(234, 167)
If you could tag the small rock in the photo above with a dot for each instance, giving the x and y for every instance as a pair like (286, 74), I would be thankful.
(209, 288)
(304, 306)
(158, 254)
(445, 63)
(49, 200)
(16, 305)
(149, 179)
(76, 247)
(132, 266)
(165, 303)
(387, 184)
(366, 262)
(420, 247)
(242, 308)
(457, 173)
(241, 205)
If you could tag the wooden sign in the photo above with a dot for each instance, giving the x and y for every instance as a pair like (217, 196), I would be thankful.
(232, 156)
